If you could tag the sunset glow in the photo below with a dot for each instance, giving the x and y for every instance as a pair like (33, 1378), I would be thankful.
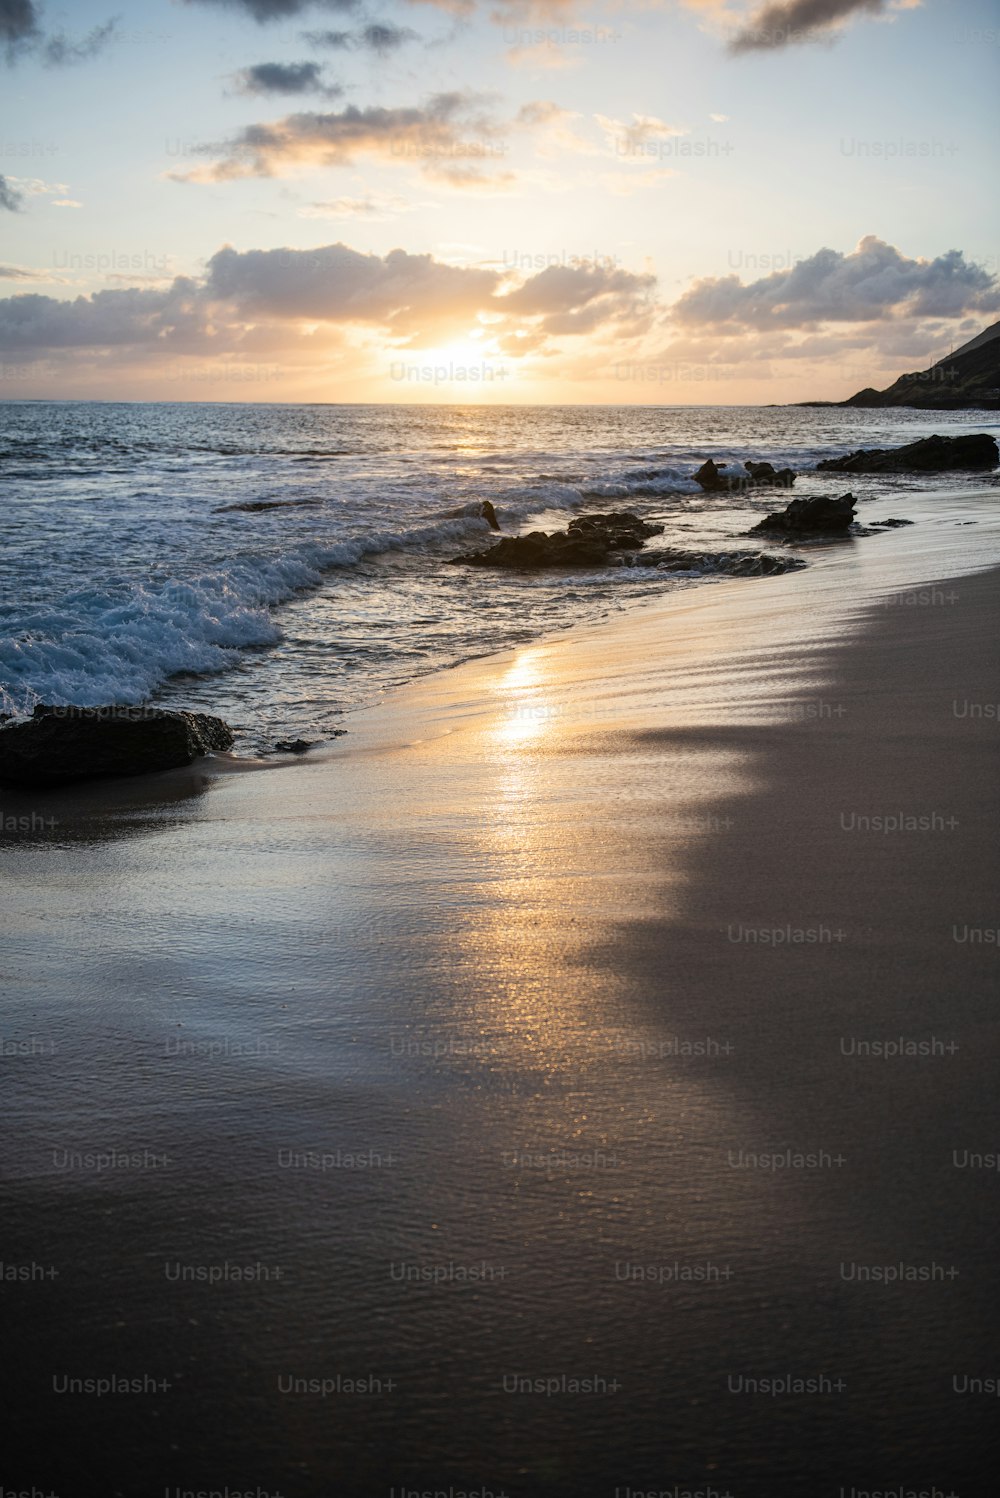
(523, 206)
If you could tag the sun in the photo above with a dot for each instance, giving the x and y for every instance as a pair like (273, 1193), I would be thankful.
(465, 353)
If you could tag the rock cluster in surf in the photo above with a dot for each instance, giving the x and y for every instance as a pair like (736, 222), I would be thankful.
(714, 479)
(618, 540)
(588, 541)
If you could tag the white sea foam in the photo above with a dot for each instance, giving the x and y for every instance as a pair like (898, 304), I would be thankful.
(120, 645)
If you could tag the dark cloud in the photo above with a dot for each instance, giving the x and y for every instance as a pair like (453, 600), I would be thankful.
(21, 32)
(378, 37)
(385, 39)
(10, 198)
(335, 40)
(264, 11)
(285, 78)
(450, 128)
(18, 22)
(107, 319)
(20, 273)
(875, 282)
(60, 50)
(788, 22)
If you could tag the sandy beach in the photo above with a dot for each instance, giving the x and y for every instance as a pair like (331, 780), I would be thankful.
(577, 1080)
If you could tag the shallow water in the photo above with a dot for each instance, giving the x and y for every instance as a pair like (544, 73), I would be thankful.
(128, 576)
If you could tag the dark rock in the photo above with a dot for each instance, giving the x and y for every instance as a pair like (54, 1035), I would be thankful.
(710, 476)
(294, 746)
(884, 525)
(821, 514)
(59, 744)
(929, 455)
(766, 473)
(483, 510)
(713, 478)
(621, 529)
(588, 541)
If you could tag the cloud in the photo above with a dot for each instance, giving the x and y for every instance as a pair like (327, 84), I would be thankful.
(449, 128)
(13, 190)
(107, 319)
(831, 323)
(18, 22)
(21, 32)
(284, 78)
(412, 298)
(297, 298)
(264, 11)
(631, 140)
(11, 197)
(336, 40)
(542, 56)
(60, 50)
(399, 291)
(874, 283)
(789, 22)
(382, 38)
(376, 207)
(578, 299)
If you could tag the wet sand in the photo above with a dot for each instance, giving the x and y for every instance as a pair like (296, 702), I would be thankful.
(519, 1040)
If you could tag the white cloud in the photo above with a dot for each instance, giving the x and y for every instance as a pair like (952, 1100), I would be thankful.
(875, 282)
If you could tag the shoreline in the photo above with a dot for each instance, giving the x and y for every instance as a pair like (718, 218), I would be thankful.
(462, 990)
(914, 560)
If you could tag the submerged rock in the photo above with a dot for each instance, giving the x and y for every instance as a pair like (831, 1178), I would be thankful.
(538, 549)
(61, 744)
(254, 506)
(294, 746)
(929, 455)
(724, 563)
(822, 514)
(588, 541)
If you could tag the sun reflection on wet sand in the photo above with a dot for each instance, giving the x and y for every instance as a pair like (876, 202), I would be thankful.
(527, 706)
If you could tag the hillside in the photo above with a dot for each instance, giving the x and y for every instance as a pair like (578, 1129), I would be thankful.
(969, 378)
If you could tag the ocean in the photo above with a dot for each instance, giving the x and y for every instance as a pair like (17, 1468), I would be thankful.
(132, 575)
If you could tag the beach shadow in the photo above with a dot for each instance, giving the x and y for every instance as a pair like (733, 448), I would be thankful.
(95, 811)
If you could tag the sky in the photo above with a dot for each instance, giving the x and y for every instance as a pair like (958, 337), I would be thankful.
(668, 202)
